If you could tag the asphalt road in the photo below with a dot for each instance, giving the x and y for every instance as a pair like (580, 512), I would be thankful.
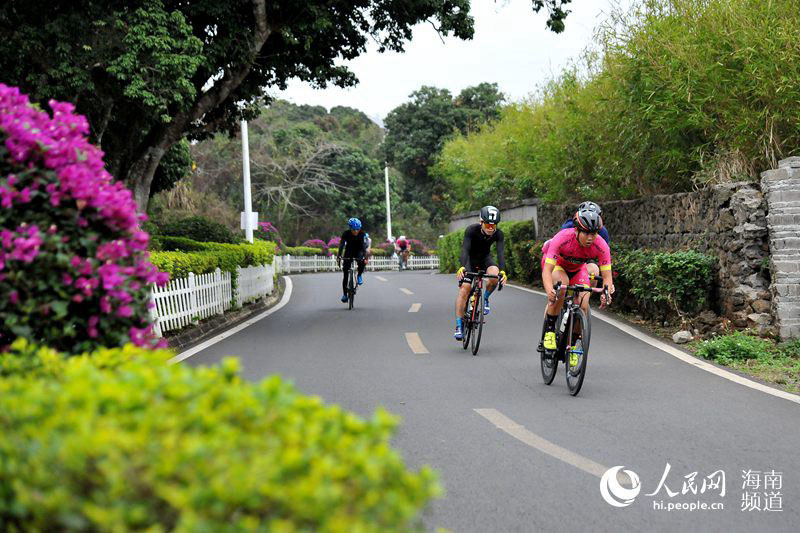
(512, 453)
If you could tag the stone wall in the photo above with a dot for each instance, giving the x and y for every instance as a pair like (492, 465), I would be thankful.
(782, 190)
(728, 222)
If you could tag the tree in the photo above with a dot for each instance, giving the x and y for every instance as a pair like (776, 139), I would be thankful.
(147, 74)
(417, 130)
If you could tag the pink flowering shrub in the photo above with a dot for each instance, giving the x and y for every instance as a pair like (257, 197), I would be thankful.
(334, 242)
(74, 267)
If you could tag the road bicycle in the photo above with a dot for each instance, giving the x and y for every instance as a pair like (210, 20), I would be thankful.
(402, 264)
(573, 333)
(352, 281)
(473, 319)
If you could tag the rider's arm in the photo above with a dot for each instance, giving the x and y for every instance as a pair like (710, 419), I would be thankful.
(547, 280)
(466, 246)
(501, 256)
(605, 264)
(341, 244)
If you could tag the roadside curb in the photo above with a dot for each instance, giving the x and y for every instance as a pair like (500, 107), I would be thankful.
(215, 325)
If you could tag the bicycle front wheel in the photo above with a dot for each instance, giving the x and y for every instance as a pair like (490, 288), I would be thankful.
(577, 351)
(477, 322)
(549, 365)
(351, 290)
(466, 323)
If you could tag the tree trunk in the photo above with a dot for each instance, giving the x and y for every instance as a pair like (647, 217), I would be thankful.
(140, 175)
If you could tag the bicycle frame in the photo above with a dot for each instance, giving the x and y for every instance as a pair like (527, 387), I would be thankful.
(473, 318)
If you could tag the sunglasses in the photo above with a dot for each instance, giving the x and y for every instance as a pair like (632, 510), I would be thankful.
(489, 224)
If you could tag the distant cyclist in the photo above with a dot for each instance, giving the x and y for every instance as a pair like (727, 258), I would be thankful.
(369, 245)
(594, 272)
(402, 247)
(476, 255)
(564, 259)
(354, 244)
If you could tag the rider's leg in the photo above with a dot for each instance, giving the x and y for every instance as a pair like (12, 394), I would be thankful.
(361, 266)
(553, 309)
(491, 284)
(594, 274)
(583, 278)
(461, 304)
(461, 300)
(345, 272)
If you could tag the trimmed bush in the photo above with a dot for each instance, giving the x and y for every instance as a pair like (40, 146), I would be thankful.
(119, 440)
(226, 257)
(180, 244)
(301, 250)
(666, 282)
(377, 251)
(74, 268)
(200, 229)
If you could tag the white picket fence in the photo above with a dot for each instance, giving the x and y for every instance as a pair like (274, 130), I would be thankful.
(287, 264)
(184, 301)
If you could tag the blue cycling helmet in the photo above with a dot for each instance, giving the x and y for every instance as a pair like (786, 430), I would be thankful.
(354, 223)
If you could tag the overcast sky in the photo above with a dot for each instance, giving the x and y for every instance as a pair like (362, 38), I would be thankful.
(511, 47)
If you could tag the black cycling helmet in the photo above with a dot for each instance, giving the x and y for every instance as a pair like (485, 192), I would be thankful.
(591, 206)
(588, 221)
(490, 214)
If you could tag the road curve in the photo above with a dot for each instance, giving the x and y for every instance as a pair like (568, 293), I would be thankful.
(514, 454)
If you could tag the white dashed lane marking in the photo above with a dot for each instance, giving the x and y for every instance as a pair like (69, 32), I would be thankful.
(415, 343)
(406, 291)
(414, 308)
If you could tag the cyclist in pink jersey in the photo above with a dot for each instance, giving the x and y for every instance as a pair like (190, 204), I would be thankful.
(564, 259)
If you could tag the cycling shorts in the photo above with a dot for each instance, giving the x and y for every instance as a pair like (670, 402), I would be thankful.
(483, 264)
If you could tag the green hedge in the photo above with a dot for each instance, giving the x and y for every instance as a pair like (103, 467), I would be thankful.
(119, 440)
(200, 229)
(301, 250)
(168, 243)
(226, 257)
(654, 283)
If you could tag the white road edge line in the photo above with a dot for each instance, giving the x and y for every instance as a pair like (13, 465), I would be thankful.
(686, 358)
(287, 293)
(414, 308)
(381, 278)
(406, 291)
(533, 440)
(415, 343)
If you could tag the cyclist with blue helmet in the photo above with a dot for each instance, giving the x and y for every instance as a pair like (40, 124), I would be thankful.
(354, 244)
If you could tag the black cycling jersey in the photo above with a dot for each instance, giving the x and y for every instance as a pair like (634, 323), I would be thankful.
(354, 245)
(477, 247)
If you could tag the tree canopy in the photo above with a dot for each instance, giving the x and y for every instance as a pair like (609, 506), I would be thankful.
(417, 130)
(147, 74)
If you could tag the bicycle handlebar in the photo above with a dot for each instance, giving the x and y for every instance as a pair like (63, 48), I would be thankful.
(579, 288)
(481, 275)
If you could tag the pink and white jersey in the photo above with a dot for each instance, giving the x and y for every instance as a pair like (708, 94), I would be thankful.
(565, 251)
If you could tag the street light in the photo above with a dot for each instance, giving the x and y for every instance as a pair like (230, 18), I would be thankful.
(247, 215)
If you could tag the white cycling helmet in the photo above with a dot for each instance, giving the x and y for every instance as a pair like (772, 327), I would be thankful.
(402, 238)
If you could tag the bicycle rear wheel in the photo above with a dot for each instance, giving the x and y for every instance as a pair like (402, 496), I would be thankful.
(577, 350)
(549, 366)
(477, 321)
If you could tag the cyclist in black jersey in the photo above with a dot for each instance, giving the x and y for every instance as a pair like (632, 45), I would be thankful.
(354, 244)
(475, 255)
